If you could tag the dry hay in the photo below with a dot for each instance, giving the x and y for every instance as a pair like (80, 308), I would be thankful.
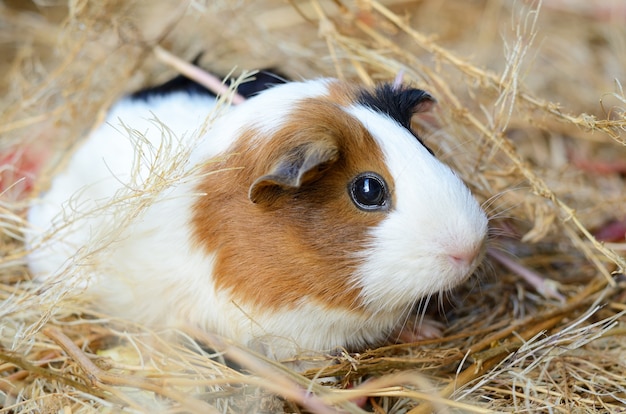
(531, 113)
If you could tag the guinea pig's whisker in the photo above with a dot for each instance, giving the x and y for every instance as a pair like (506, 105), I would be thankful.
(484, 271)
(496, 232)
(422, 307)
(488, 205)
(408, 312)
(418, 310)
(449, 296)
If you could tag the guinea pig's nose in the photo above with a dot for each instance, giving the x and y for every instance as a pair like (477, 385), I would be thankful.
(468, 257)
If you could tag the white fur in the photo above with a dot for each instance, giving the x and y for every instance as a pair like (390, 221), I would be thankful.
(100, 171)
(151, 272)
(434, 218)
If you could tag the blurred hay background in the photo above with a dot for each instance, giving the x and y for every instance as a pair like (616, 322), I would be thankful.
(531, 113)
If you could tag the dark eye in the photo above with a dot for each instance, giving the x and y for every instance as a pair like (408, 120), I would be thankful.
(369, 192)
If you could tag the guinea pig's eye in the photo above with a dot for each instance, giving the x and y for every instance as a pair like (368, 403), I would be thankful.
(369, 192)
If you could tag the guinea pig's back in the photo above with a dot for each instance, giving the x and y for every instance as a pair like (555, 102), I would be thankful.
(117, 156)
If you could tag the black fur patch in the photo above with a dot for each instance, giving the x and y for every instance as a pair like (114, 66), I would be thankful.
(259, 82)
(177, 84)
(399, 103)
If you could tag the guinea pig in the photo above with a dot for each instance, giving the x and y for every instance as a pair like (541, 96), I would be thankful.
(307, 218)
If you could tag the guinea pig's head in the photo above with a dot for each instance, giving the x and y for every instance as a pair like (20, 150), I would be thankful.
(330, 197)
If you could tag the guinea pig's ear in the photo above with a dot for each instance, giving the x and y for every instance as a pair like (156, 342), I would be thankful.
(424, 104)
(296, 166)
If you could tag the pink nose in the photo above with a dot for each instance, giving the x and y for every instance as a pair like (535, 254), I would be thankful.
(466, 258)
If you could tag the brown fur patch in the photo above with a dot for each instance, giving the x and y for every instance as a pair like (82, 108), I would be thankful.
(342, 93)
(303, 244)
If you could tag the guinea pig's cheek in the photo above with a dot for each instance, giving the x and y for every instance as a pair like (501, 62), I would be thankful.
(410, 258)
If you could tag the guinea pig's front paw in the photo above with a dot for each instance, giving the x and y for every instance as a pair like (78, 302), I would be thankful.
(417, 329)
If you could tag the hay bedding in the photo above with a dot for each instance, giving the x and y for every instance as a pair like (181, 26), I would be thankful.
(531, 114)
